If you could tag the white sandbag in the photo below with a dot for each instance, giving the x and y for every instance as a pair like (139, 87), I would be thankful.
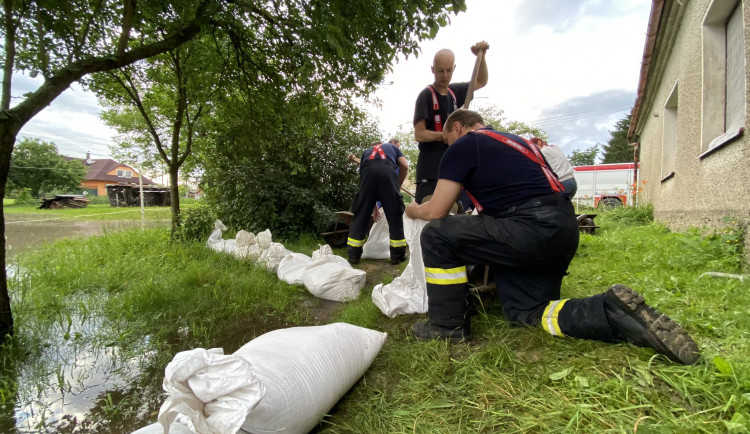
(378, 244)
(214, 391)
(272, 256)
(306, 370)
(292, 266)
(215, 236)
(264, 239)
(284, 381)
(408, 292)
(156, 428)
(251, 252)
(245, 239)
(331, 277)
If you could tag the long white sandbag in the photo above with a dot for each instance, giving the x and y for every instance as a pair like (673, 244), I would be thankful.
(408, 292)
(292, 266)
(284, 381)
(331, 277)
(378, 244)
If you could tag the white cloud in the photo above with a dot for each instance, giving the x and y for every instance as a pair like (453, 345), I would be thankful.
(545, 58)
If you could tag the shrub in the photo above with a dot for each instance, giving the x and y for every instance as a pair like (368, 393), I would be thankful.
(634, 215)
(198, 223)
(25, 198)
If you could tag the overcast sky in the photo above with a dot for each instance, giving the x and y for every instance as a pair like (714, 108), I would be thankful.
(569, 67)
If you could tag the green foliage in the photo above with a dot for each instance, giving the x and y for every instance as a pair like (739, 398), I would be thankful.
(618, 149)
(584, 157)
(290, 178)
(36, 165)
(632, 215)
(198, 223)
(24, 197)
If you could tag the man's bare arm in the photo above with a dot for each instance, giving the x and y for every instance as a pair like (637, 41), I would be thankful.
(423, 135)
(446, 194)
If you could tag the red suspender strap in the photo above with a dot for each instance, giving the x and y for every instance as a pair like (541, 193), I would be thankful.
(436, 108)
(477, 206)
(532, 153)
(379, 149)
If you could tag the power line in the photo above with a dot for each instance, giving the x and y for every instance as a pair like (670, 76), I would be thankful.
(559, 120)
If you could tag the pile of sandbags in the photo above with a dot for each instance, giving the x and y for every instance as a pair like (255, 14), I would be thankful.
(325, 275)
(246, 245)
(284, 381)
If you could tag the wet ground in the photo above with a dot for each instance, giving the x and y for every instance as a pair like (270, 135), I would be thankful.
(78, 384)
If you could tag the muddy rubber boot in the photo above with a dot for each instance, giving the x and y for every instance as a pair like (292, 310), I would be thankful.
(634, 321)
(425, 330)
(398, 255)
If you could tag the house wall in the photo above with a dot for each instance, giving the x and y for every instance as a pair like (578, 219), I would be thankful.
(704, 190)
(100, 186)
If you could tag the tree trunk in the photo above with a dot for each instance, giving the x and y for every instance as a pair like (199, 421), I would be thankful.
(8, 133)
(174, 197)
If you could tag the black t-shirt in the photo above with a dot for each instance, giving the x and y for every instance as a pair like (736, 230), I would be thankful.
(497, 175)
(427, 167)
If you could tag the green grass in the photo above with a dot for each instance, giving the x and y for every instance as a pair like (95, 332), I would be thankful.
(507, 379)
(95, 212)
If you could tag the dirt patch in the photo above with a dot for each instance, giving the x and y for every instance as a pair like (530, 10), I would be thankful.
(380, 270)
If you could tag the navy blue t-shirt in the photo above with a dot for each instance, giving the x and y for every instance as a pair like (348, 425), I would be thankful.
(497, 175)
(392, 153)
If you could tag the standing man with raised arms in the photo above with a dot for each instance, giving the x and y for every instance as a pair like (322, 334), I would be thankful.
(432, 108)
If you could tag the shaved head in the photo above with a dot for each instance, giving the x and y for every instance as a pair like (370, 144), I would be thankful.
(442, 67)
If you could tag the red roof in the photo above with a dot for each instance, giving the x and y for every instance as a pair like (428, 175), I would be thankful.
(97, 171)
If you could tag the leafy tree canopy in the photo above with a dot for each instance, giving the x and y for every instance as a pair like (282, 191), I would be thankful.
(36, 165)
(618, 149)
(585, 157)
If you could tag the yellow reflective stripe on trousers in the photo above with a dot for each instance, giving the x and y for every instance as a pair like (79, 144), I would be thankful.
(355, 243)
(549, 318)
(398, 243)
(445, 276)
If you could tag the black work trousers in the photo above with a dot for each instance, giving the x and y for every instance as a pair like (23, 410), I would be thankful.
(378, 181)
(529, 248)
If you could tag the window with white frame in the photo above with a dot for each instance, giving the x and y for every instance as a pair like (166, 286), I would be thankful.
(723, 74)
(121, 173)
(669, 139)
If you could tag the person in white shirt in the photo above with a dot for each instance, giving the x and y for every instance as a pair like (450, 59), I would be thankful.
(559, 164)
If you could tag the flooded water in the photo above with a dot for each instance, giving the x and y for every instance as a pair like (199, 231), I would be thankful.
(27, 231)
(76, 382)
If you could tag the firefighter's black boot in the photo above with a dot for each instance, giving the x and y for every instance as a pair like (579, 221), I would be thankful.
(398, 255)
(425, 330)
(354, 254)
(634, 321)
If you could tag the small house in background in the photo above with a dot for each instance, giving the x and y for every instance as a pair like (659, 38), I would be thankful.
(103, 172)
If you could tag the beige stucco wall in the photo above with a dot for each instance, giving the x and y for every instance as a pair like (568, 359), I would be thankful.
(702, 191)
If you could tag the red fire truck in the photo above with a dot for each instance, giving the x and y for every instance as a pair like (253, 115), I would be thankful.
(604, 185)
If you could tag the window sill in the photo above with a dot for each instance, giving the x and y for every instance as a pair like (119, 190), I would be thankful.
(668, 177)
(722, 141)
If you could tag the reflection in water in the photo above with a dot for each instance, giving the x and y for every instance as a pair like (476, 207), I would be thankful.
(73, 372)
(82, 366)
